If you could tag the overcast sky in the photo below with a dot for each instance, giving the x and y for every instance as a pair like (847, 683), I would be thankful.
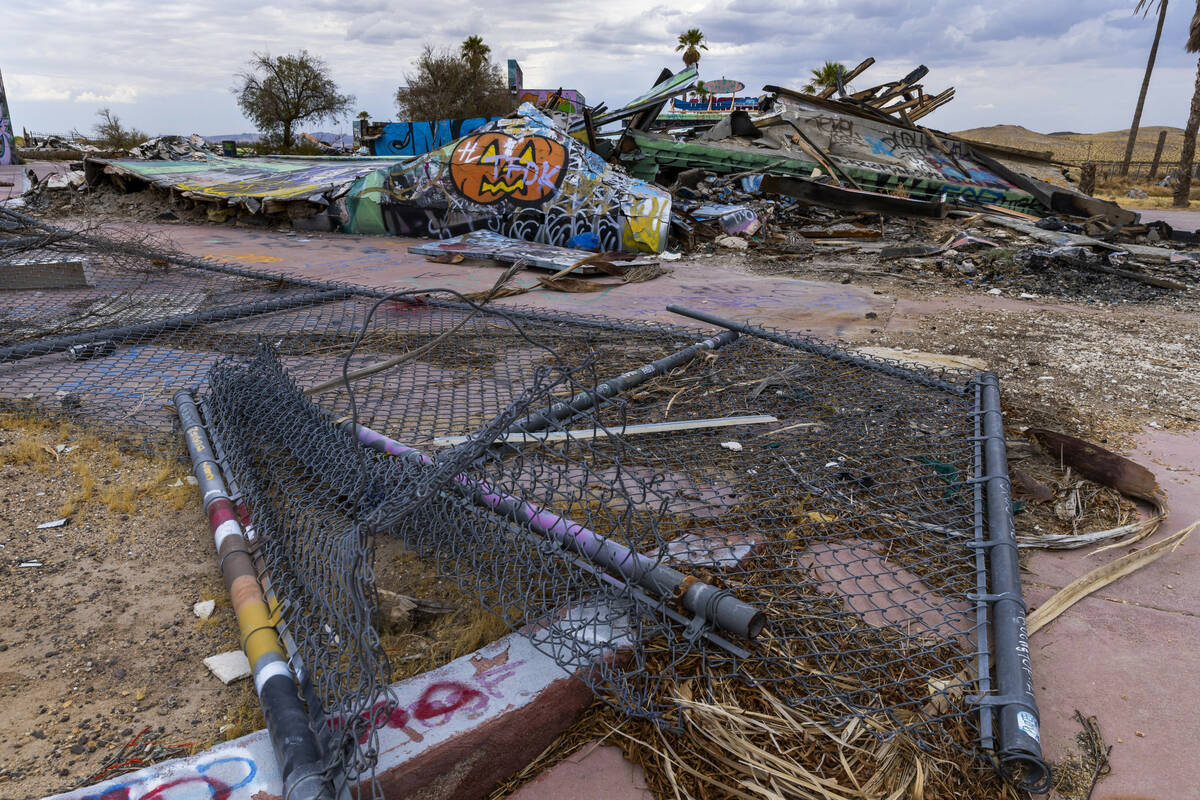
(168, 67)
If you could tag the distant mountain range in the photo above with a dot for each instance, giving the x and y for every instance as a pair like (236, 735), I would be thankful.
(242, 138)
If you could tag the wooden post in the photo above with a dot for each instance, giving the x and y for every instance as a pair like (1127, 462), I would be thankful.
(1158, 148)
(1087, 178)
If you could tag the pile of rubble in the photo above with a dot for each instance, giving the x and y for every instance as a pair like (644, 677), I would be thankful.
(833, 180)
(160, 148)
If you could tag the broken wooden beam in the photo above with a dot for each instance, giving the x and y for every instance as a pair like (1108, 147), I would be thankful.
(851, 199)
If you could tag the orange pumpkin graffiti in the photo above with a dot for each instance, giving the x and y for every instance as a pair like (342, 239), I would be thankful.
(490, 167)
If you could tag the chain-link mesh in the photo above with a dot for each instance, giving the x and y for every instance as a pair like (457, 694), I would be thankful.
(846, 511)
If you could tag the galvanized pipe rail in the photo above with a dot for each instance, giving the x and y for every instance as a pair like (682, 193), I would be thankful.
(125, 333)
(1014, 707)
(706, 603)
(590, 398)
(822, 350)
(296, 748)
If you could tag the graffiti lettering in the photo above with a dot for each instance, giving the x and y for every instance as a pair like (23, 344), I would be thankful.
(443, 699)
(7, 145)
(416, 138)
(490, 167)
(437, 704)
(231, 773)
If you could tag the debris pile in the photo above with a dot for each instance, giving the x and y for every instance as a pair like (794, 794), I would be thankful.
(172, 148)
(684, 520)
(807, 181)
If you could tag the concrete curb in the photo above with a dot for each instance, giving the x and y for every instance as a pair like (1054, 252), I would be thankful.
(455, 732)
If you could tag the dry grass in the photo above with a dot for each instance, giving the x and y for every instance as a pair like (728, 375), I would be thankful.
(157, 480)
(1081, 147)
(246, 715)
(740, 742)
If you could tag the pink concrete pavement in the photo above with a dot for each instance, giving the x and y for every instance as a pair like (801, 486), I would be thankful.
(1129, 654)
(826, 309)
(596, 772)
(15, 174)
(1179, 218)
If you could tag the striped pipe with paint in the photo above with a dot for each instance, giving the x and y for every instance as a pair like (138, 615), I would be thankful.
(296, 747)
(707, 603)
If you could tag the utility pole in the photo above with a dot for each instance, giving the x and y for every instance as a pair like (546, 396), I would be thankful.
(8, 144)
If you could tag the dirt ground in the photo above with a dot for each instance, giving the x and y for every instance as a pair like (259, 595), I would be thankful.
(1093, 355)
(98, 641)
(100, 651)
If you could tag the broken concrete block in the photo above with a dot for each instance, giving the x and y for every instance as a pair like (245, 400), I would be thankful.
(54, 272)
(229, 667)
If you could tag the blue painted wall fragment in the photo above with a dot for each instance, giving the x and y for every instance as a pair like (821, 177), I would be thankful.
(417, 138)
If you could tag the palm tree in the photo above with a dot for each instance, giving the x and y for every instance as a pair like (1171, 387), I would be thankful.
(1144, 7)
(827, 76)
(475, 52)
(1183, 187)
(689, 41)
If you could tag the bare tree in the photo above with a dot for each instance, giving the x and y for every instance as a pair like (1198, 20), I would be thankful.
(279, 93)
(114, 136)
(449, 85)
(1144, 7)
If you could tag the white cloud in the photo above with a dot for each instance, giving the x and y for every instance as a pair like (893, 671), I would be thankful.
(171, 66)
(36, 87)
(117, 94)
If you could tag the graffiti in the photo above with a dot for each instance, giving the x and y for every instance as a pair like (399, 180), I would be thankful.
(521, 177)
(570, 101)
(8, 147)
(839, 130)
(417, 138)
(489, 167)
(242, 178)
(439, 703)
(732, 218)
(515, 77)
(213, 778)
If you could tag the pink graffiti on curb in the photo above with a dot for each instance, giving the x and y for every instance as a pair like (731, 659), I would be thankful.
(441, 701)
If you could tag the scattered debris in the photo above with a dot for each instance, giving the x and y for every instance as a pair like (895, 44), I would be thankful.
(204, 608)
(1102, 576)
(1107, 469)
(486, 244)
(229, 666)
(58, 523)
(172, 148)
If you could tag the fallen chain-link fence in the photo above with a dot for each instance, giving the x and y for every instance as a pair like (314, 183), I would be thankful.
(652, 505)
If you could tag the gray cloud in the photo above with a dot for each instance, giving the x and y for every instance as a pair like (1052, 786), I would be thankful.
(1044, 63)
